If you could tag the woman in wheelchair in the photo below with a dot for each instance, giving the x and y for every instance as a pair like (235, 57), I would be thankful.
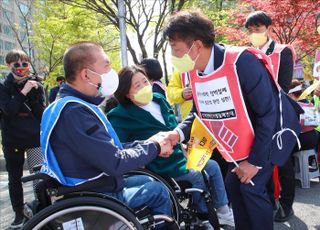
(141, 114)
(80, 145)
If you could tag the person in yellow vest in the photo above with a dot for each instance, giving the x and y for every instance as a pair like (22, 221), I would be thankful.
(179, 92)
(237, 98)
(259, 26)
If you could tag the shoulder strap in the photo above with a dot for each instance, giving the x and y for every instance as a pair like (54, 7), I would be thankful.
(161, 85)
(266, 61)
(280, 47)
(232, 54)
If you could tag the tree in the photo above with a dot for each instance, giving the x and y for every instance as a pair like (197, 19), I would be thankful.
(144, 18)
(294, 22)
(56, 26)
(217, 11)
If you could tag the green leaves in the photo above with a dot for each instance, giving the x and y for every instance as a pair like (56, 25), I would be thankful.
(56, 26)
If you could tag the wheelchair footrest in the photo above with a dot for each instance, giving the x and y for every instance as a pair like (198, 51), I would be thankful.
(142, 212)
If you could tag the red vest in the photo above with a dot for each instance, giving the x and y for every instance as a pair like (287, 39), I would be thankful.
(275, 58)
(220, 104)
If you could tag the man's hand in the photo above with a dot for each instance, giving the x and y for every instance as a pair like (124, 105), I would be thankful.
(172, 136)
(187, 93)
(245, 171)
(164, 142)
(28, 87)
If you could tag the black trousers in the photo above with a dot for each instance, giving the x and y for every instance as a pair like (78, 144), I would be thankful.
(287, 183)
(15, 158)
(14, 164)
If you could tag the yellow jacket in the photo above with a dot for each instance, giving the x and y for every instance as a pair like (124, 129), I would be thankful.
(174, 94)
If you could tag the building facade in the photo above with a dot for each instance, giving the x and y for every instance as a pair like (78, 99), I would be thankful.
(13, 22)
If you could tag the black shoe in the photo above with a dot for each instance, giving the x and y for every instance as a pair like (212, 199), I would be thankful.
(283, 215)
(18, 222)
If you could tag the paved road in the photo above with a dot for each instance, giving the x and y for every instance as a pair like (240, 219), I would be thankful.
(306, 206)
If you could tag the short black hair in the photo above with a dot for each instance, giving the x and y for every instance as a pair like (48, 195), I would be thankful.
(61, 78)
(189, 26)
(77, 57)
(125, 79)
(152, 68)
(258, 18)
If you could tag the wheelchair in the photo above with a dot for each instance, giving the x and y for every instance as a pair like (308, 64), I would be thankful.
(184, 207)
(62, 207)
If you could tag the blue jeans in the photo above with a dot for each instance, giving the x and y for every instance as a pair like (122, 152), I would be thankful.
(144, 191)
(218, 191)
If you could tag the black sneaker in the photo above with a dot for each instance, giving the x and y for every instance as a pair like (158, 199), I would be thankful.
(283, 215)
(18, 222)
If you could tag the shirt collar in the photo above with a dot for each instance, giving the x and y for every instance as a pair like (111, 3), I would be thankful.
(266, 46)
(67, 90)
(210, 66)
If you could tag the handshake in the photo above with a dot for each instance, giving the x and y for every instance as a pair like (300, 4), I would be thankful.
(166, 140)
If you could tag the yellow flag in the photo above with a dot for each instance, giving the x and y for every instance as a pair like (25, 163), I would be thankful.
(309, 90)
(200, 145)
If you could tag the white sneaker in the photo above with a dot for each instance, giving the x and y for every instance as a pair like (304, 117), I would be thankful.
(226, 218)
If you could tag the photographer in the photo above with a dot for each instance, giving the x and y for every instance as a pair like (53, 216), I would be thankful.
(22, 101)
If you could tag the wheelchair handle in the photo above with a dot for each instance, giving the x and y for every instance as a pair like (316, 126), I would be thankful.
(36, 176)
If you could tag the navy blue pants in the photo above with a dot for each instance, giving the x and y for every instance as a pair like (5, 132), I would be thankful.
(252, 208)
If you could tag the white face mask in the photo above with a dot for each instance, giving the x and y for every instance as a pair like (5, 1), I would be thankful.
(109, 83)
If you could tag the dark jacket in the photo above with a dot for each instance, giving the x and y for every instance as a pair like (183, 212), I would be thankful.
(158, 89)
(53, 93)
(262, 103)
(134, 123)
(21, 115)
(286, 67)
(84, 149)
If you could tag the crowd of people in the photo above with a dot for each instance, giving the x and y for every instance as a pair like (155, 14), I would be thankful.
(257, 104)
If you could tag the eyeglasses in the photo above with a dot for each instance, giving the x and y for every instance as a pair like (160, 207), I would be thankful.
(23, 64)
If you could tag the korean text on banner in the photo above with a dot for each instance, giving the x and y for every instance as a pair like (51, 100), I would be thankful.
(200, 145)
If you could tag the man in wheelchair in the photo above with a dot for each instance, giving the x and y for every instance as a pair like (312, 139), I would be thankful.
(80, 145)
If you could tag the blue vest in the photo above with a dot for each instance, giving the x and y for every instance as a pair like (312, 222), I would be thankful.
(50, 117)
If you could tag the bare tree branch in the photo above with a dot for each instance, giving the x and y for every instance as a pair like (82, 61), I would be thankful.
(145, 18)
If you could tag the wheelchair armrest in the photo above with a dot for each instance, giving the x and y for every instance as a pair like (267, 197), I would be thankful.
(35, 176)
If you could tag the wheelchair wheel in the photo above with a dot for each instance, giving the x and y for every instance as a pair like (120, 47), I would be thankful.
(174, 199)
(83, 213)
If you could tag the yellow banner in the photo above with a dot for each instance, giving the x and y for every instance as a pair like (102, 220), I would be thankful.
(200, 145)
(309, 90)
